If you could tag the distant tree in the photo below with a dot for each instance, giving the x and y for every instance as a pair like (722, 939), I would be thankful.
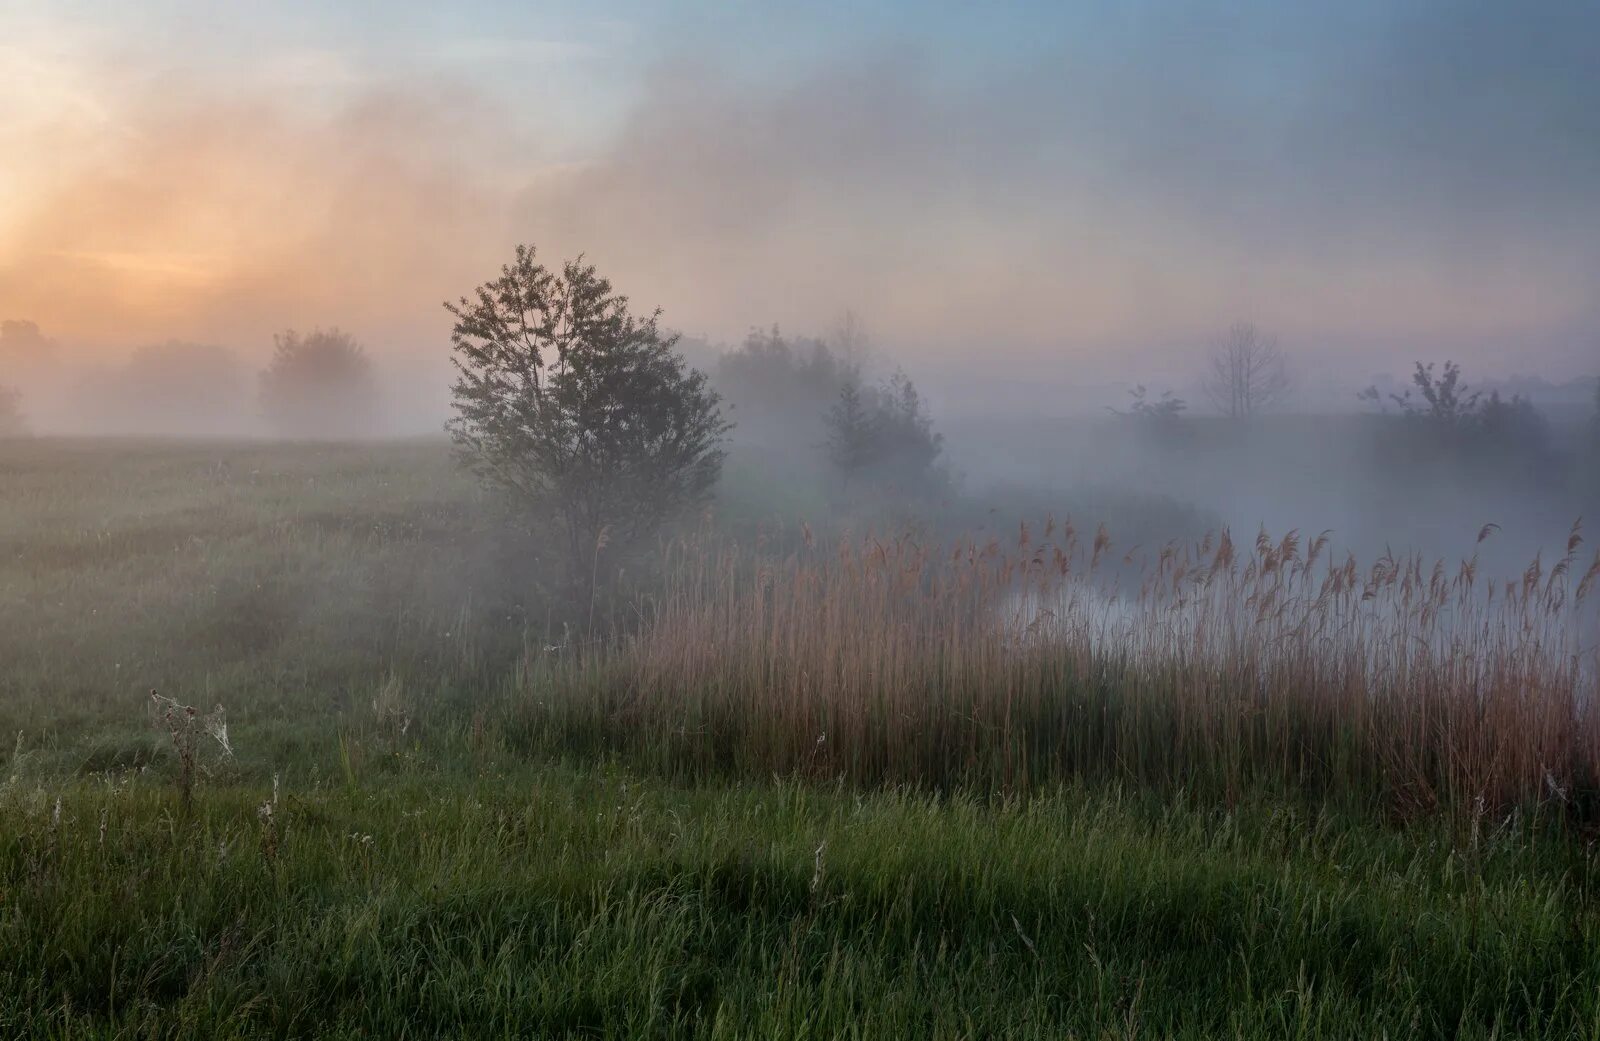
(1164, 409)
(1248, 372)
(1451, 421)
(885, 432)
(779, 386)
(1445, 400)
(852, 432)
(580, 410)
(910, 444)
(319, 385)
(12, 423)
(23, 346)
(850, 339)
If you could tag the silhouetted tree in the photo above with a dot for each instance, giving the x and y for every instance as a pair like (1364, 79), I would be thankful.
(1248, 372)
(583, 412)
(1445, 400)
(319, 385)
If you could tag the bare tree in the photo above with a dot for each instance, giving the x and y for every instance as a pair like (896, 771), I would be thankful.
(851, 340)
(1248, 372)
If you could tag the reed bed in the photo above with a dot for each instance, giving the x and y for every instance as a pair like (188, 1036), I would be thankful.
(1210, 666)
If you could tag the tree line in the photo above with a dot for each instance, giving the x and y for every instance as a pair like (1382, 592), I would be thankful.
(587, 415)
(320, 384)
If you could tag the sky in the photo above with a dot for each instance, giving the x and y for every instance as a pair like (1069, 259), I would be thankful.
(1009, 194)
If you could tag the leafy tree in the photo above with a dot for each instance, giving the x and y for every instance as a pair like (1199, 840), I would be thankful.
(1449, 421)
(885, 432)
(580, 410)
(319, 385)
(778, 386)
(910, 444)
(1248, 372)
(1445, 400)
(852, 432)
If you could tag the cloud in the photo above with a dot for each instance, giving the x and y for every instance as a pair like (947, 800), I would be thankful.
(1070, 208)
(1369, 182)
(230, 217)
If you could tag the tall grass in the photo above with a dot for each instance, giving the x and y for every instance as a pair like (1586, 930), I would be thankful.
(1207, 666)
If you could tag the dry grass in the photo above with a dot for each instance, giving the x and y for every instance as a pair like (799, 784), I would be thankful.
(1209, 666)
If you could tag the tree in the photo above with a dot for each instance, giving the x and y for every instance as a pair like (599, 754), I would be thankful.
(851, 340)
(584, 413)
(12, 423)
(1248, 373)
(24, 349)
(778, 387)
(1164, 409)
(1447, 421)
(1446, 401)
(886, 432)
(852, 432)
(319, 385)
(910, 444)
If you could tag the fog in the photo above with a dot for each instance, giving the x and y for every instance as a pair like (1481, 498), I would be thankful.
(1033, 213)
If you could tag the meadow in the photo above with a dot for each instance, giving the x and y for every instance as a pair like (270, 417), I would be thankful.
(791, 781)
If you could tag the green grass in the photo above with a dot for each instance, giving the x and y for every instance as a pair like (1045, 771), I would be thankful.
(579, 901)
(429, 872)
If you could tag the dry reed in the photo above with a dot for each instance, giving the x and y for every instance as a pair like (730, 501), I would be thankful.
(1210, 666)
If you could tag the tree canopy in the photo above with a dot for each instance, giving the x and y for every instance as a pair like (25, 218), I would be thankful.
(583, 412)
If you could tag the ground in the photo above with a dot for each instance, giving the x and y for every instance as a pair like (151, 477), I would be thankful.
(383, 854)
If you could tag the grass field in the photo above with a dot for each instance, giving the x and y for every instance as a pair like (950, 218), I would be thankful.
(432, 826)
